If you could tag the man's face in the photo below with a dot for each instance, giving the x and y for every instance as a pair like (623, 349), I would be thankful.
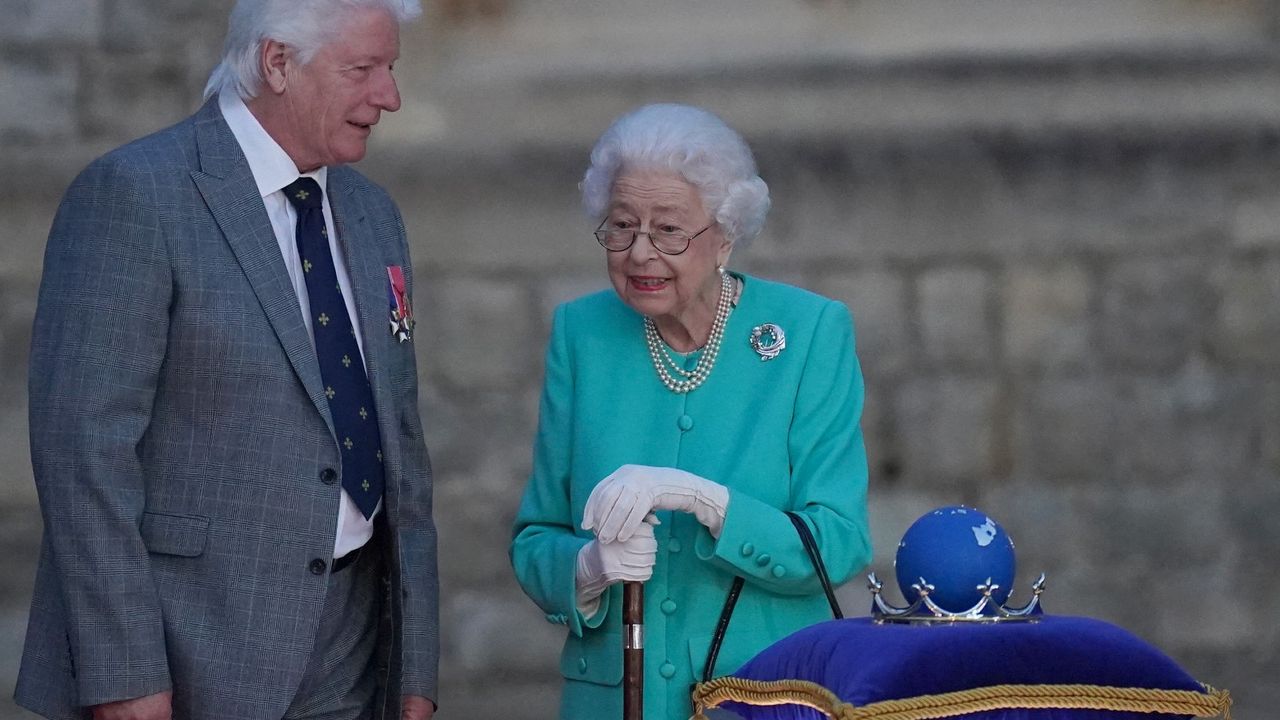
(333, 102)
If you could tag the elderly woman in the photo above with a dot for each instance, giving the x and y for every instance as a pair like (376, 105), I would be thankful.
(683, 413)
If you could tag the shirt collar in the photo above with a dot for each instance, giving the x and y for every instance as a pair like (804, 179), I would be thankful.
(271, 166)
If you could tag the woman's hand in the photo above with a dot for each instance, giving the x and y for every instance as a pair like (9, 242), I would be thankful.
(602, 564)
(618, 505)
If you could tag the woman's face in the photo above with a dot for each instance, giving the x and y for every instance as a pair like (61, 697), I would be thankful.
(682, 288)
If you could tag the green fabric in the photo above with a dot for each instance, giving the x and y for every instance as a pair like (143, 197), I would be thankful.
(782, 435)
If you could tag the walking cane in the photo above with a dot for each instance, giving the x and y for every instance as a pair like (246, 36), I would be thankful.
(633, 651)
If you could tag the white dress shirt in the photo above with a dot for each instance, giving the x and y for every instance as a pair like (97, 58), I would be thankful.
(272, 171)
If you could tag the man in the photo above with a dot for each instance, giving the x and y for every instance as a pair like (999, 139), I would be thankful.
(224, 432)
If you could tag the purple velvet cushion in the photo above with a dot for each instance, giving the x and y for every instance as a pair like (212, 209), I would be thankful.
(863, 663)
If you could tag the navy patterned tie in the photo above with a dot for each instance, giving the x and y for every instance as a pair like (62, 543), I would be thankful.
(341, 364)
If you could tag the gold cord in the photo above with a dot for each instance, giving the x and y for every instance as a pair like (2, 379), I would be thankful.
(1209, 704)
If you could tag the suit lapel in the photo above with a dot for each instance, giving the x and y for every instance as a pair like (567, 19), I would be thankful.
(227, 185)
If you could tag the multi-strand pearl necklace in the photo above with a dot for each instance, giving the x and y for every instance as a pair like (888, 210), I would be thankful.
(664, 363)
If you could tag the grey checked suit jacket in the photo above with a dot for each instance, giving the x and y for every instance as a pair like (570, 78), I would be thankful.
(179, 432)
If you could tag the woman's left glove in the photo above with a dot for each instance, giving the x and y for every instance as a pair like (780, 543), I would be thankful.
(621, 501)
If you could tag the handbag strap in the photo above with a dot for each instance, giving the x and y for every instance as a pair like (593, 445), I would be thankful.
(811, 548)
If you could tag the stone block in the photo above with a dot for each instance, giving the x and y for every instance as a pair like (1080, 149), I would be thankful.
(476, 332)
(1155, 528)
(130, 94)
(557, 290)
(878, 301)
(47, 86)
(1255, 223)
(494, 220)
(947, 429)
(1246, 328)
(1064, 428)
(1193, 610)
(1271, 430)
(51, 22)
(1047, 317)
(484, 621)
(954, 317)
(17, 487)
(1154, 311)
(16, 316)
(24, 222)
(1200, 423)
(148, 24)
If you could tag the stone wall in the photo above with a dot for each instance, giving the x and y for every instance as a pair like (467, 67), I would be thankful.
(1064, 268)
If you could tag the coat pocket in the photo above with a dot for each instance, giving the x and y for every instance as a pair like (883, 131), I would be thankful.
(181, 535)
(596, 657)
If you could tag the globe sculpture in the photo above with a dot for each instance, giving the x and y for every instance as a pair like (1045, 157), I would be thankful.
(956, 549)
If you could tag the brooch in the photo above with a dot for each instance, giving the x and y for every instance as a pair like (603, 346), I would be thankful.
(768, 340)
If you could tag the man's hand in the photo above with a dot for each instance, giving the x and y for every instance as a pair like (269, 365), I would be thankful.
(413, 707)
(149, 707)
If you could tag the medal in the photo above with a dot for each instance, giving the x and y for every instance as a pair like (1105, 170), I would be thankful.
(401, 311)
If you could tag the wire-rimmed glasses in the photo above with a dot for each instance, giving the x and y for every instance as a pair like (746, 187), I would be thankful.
(666, 239)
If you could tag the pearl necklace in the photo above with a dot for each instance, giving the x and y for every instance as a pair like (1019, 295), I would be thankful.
(661, 356)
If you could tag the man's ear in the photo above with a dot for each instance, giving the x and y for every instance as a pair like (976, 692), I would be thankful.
(275, 60)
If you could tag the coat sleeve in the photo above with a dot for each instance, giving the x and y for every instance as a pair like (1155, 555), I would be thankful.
(545, 543)
(420, 601)
(99, 339)
(828, 479)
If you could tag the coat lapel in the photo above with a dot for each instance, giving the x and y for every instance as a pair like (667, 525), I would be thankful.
(227, 185)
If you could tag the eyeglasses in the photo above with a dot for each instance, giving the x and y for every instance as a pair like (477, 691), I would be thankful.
(666, 239)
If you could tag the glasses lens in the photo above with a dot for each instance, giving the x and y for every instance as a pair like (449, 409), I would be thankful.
(671, 243)
(615, 239)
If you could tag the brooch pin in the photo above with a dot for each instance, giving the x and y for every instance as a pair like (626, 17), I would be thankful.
(401, 311)
(768, 340)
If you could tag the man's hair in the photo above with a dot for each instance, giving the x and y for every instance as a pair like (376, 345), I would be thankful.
(696, 145)
(305, 25)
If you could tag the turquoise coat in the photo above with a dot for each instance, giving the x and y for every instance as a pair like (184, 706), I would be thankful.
(781, 435)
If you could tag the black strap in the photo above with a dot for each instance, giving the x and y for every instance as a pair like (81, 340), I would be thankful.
(811, 548)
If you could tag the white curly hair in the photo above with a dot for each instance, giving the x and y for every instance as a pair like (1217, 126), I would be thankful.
(693, 143)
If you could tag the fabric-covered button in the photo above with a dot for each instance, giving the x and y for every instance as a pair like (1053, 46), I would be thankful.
(668, 606)
(675, 546)
(685, 423)
(779, 571)
(748, 549)
(667, 670)
(328, 476)
(582, 665)
(763, 560)
(318, 566)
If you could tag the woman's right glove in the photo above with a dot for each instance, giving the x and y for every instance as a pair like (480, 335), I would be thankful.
(603, 564)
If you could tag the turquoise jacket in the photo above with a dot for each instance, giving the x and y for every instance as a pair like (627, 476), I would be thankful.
(781, 435)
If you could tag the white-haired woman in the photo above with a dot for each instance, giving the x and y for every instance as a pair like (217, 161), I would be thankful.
(683, 413)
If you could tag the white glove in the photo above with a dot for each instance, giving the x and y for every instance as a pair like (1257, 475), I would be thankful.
(621, 501)
(602, 564)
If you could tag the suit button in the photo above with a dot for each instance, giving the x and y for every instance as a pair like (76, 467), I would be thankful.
(328, 476)
(668, 606)
(667, 670)
(685, 423)
(674, 546)
(763, 559)
(318, 566)
(582, 665)
(748, 549)
(779, 571)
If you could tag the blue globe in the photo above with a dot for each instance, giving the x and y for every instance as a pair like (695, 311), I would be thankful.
(955, 549)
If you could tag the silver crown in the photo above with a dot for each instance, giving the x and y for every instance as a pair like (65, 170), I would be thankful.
(925, 610)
